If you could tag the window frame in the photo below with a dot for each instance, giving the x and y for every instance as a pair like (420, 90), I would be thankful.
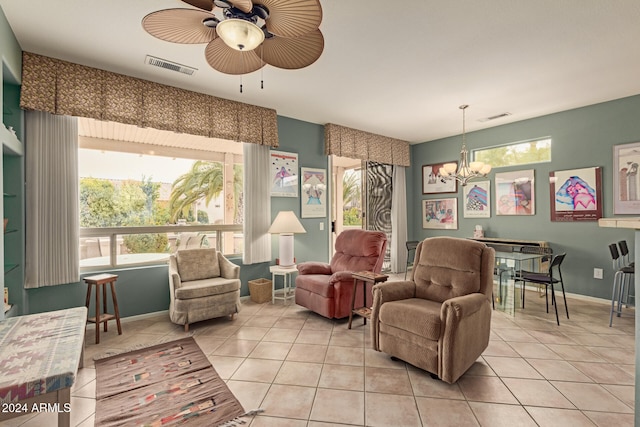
(512, 144)
(112, 234)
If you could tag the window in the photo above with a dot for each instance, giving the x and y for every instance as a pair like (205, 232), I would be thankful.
(517, 153)
(141, 201)
(352, 197)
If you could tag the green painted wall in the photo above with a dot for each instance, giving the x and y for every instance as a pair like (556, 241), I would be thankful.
(583, 137)
(306, 139)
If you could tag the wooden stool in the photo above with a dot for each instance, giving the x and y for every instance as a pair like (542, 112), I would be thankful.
(99, 281)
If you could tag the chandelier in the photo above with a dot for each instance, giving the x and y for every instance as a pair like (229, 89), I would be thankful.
(466, 170)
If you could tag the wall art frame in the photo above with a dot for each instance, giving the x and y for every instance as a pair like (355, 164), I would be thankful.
(515, 193)
(284, 173)
(433, 182)
(626, 181)
(440, 213)
(477, 199)
(576, 194)
(313, 194)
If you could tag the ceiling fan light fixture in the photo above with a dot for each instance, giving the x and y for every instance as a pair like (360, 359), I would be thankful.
(240, 34)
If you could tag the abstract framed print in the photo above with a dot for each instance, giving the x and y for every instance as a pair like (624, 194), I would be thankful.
(515, 193)
(576, 194)
(626, 181)
(433, 182)
(284, 174)
(477, 199)
(313, 197)
(440, 213)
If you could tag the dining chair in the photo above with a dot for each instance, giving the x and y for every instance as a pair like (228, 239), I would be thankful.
(548, 279)
(541, 264)
(624, 274)
(546, 251)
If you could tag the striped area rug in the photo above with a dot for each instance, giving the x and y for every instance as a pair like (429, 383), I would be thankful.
(167, 384)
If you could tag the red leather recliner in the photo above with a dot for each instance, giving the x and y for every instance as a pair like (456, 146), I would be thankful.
(327, 288)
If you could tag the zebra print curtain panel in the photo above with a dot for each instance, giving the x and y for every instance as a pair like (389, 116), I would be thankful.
(358, 144)
(64, 88)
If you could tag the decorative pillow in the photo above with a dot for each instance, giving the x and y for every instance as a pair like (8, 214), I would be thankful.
(197, 264)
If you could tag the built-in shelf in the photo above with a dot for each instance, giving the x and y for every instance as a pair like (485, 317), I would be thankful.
(10, 142)
(10, 231)
(8, 195)
(9, 267)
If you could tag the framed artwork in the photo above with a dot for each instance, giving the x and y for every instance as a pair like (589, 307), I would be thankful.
(440, 213)
(284, 174)
(515, 193)
(477, 199)
(313, 197)
(576, 194)
(433, 182)
(626, 184)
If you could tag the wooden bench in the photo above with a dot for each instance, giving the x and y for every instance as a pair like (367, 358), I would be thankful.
(39, 358)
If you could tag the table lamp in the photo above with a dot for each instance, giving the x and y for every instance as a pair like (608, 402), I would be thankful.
(286, 224)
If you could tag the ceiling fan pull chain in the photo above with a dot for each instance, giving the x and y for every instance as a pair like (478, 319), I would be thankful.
(261, 69)
(242, 57)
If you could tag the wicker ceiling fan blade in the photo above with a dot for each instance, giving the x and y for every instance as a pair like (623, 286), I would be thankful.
(295, 53)
(243, 5)
(292, 18)
(230, 61)
(201, 4)
(179, 26)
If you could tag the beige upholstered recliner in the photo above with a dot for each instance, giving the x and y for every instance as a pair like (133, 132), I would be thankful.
(203, 284)
(440, 319)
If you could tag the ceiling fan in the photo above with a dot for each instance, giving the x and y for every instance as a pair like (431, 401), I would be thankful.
(243, 36)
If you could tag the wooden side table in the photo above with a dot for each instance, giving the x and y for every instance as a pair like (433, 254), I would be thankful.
(100, 281)
(365, 277)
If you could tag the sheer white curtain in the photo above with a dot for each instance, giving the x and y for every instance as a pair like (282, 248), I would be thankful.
(53, 220)
(257, 204)
(399, 221)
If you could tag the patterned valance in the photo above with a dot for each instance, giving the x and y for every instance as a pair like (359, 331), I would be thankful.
(357, 144)
(61, 87)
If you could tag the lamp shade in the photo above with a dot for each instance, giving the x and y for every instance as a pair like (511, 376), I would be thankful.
(240, 34)
(286, 222)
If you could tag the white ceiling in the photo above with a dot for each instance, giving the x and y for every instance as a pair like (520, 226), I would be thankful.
(397, 69)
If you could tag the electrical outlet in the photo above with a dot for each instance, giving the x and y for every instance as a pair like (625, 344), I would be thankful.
(597, 273)
(321, 226)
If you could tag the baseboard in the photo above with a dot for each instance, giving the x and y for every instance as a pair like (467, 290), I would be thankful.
(155, 313)
(134, 318)
(534, 288)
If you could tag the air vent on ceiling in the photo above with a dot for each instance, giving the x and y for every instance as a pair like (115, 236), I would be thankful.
(168, 65)
(497, 116)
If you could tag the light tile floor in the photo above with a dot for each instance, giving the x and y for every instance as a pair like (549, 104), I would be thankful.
(305, 370)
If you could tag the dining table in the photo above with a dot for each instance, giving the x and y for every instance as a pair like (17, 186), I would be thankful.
(509, 266)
